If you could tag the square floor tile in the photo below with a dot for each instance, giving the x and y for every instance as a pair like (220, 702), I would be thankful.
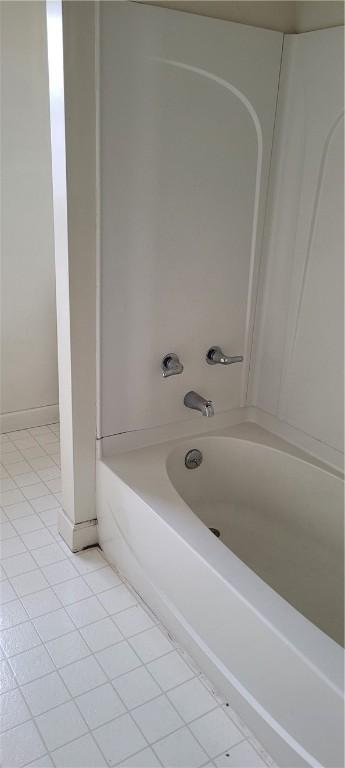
(45, 438)
(18, 639)
(49, 473)
(30, 665)
(192, 699)
(60, 725)
(28, 478)
(11, 614)
(62, 544)
(81, 753)
(47, 555)
(53, 450)
(101, 634)
(241, 756)
(102, 579)
(100, 705)
(7, 446)
(7, 531)
(67, 649)
(54, 485)
(133, 620)
(44, 502)
(37, 539)
(151, 644)
(7, 592)
(45, 693)
(117, 599)
(32, 451)
(7, 679)
(42, 762)
(18, 564)
(10, 456)
(13, 546)
(27, 583)
(19, 468)
(59, 572)
(11, 497)
(13, 710)
(41, 462)
(157, 719)
(40, 603)
(119, 739)
(86, 611)
(136, 687)
(144, 759)
(23, 441)
(7, 484)
(216, 732)
(180, 749)
(89, 560)
(53, 625)
(21, 745)
(118, 659)
(19, 509)
(38, 430)
(170, 670)
(50, 517)
(83, 675)
(28, 524)
(71, 591)
(35, 491)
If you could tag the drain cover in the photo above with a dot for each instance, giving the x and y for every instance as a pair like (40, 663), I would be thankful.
(215, 531)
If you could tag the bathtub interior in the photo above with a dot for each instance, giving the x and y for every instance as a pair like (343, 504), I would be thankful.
(281, 516)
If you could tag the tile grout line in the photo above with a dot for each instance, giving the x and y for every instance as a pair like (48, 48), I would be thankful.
(66, 558)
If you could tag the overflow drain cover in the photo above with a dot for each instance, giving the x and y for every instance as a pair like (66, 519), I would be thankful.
(193, 458)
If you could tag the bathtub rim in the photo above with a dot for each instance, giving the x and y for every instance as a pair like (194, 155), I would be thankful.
(138, 469)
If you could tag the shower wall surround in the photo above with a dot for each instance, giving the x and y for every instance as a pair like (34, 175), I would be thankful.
(186, 115)
(298, 376)
(189, 250)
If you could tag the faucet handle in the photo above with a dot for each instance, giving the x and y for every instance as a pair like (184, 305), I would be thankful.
(216, 355)
(171, 365)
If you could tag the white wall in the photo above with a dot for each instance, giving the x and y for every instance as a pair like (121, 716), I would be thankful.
(299, 352)
(71, 49)
(181, 218)
(29, 391)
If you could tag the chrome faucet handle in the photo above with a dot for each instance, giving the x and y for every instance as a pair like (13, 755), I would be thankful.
(171, 365)
(215, 355)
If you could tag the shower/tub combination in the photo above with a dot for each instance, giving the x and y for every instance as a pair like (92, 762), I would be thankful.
(261, 607)
(220, 237)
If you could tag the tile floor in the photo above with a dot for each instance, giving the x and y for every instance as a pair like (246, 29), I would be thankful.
(89, 677)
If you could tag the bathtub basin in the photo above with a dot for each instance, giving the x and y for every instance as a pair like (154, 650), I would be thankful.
(261, 607)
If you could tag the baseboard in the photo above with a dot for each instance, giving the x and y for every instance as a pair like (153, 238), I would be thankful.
(77, 535)
(34, 417)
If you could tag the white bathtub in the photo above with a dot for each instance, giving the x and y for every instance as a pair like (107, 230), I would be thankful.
(257, 608)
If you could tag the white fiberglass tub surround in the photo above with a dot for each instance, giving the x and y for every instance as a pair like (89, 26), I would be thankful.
(261, 607)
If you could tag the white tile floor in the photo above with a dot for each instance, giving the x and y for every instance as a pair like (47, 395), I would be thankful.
(88, 675)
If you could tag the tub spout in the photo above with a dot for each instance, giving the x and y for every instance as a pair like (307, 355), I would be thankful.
(198, 403)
